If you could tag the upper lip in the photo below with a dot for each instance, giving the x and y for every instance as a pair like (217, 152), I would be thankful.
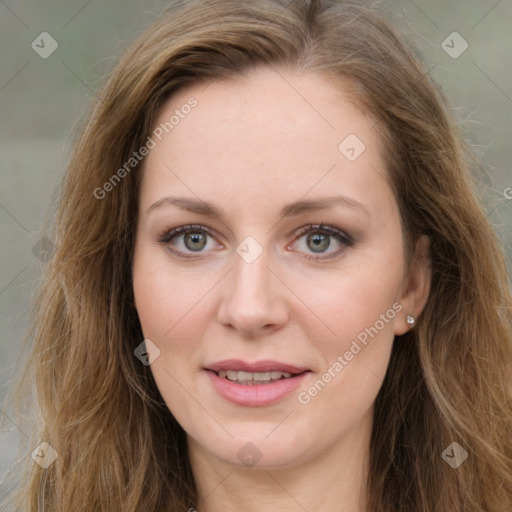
(255, 367)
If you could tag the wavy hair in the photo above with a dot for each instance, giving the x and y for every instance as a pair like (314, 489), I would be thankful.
(120, 449)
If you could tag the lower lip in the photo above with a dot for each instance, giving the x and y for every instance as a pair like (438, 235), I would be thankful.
(256, 394)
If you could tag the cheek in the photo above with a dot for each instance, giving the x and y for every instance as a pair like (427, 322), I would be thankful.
(167, 300)
(341, 307)
(170, 309)
(361, 311)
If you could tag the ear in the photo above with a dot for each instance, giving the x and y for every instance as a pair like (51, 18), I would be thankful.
(416, 287)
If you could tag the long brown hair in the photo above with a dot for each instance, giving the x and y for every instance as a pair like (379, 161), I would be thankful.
(449, 379)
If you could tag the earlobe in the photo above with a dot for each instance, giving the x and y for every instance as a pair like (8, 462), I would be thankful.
(416, 288)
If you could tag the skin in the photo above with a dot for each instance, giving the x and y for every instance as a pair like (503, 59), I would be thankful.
(250, 147)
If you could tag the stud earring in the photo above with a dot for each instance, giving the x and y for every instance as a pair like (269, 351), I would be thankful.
(410, 320)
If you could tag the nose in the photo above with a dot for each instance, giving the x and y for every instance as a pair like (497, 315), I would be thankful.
(253, 302)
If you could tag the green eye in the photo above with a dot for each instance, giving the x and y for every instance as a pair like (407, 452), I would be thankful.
(194, 241)
(318, 239)
(186, 240)
(319, 243)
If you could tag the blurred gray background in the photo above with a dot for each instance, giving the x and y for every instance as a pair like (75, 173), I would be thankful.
(43, 99)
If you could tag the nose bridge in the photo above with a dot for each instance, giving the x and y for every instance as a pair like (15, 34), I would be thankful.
(251, 301)
(251, 278)
(250, 273)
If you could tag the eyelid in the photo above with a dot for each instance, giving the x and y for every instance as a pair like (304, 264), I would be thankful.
(331, 230)
(168, 234)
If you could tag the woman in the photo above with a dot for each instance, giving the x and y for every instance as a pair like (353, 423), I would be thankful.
(274, 288)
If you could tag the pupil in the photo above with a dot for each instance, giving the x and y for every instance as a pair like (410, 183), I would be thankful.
(320, 242)
(195, 238)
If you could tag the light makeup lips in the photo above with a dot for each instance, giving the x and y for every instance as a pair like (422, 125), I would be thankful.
(253, 384)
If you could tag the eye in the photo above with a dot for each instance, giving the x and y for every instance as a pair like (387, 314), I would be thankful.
(317, 239)
(186, 240)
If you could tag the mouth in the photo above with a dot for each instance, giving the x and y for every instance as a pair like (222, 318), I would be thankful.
(260, 372)
(253, 378)
(253, 384)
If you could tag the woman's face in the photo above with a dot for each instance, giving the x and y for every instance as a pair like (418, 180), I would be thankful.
(272, 310)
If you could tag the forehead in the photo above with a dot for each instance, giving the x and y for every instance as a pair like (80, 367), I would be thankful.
(268, 138)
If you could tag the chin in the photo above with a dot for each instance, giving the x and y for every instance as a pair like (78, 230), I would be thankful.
(252, 447)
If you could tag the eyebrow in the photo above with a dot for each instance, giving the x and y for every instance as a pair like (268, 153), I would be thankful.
(296, 208)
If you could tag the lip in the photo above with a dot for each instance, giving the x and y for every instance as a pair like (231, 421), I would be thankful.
(256, 395)
(257, 366)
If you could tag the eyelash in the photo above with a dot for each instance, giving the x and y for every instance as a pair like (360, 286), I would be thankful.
(342, 237)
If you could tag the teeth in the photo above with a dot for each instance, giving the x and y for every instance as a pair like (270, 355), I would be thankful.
(249, 378)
